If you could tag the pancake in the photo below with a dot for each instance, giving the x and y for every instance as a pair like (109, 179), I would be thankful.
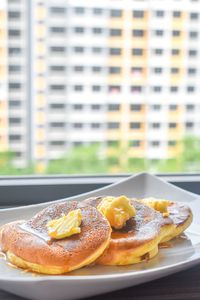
(139, 239)
(179, 213)
(28, 245)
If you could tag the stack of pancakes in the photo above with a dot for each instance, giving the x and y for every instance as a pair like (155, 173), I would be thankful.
(28, 245)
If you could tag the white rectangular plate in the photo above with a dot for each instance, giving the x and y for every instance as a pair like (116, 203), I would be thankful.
(94, 280)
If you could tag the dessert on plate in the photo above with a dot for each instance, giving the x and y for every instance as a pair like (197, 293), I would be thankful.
(105, 230)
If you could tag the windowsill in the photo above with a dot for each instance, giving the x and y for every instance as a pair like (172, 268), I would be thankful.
(27, 190)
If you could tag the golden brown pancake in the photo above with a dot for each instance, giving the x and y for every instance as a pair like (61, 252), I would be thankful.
(29, 246)
(178, 212)
(181, 216)
(139, 239)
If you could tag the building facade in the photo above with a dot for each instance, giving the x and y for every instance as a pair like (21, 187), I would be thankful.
(120, 73)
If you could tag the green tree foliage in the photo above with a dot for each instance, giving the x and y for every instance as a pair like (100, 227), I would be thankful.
(94, 159)
(7, 166)
(79, 160)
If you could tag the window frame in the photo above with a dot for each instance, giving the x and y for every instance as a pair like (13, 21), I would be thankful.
(26, 190)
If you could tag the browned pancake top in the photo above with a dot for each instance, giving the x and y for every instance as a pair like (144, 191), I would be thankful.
(144, 227)
(30, 241)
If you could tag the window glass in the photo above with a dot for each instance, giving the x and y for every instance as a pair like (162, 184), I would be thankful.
(119, 81)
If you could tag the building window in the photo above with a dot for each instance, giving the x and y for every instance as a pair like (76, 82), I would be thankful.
(15, 103)
(156, 107)
(115, 32)
(78, 69)
(193, 34)
(14, 68)
(15, 86)
(78, 49)
(159, 32)
(175, 70)
(175, 52)
(139, 14)
(157, 89)
(114, 89)
(95, 125)
(15, 121)
(155, 125)
(113, 125)
(135, 125)
(97, 30)
(57, 143)
(158, 51)
(114, 70)
(15, 137)
(79, 30)
(57, 68)
(194, 16)
(136, 70)
(77, 125)
(57, 49)
(155, 143)
(58, 30)
(190, 89)
(159, 13)
(78, 88)
(14, 15)
(57, 87)
(58, 125)
(115, 51)
(158, 70)
(96, 88)
(137, 52)
(79, 10)
(172, 125)
(136, 89)
(173, 107)
(173, 89)
(190, 107)
(97, 50)
(113, 107)
(97, 11)
(77, 106)
(176, 14)
(192, 71)
(96, 69)
(58, 10)
(192, 53)
(189, 125)
(138, 32)
(135, 107)
(176, 33)
(95, 106)
(57, 106)
(14, 33)
(116, 13)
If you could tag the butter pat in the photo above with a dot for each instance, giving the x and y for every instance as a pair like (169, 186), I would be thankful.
(65, 226)
(117, 210)
(157, 204)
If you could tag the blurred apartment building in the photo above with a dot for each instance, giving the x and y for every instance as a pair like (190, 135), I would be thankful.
(123, 73)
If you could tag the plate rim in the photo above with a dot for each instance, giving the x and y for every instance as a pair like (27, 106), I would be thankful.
(185, 264)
